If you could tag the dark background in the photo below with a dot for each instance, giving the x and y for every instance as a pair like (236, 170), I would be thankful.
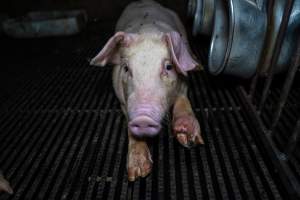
(106, 10)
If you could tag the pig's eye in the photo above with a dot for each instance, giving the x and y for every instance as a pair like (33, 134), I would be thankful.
(126, 68)
(169, 67)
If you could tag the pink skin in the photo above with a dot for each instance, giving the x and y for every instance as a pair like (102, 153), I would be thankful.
(144, 126)
(144, 120)
(148, 121)
(147, 95)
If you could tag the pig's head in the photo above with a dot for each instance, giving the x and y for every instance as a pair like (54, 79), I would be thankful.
(149, 75)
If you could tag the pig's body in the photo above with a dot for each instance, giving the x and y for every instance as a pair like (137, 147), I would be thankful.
(150, 54)
(149, 17)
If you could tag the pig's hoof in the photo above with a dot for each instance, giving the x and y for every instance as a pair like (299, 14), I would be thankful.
(5, 186)
(187, 131)
(139, 163)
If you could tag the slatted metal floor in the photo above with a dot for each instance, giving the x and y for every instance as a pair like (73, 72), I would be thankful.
(63, 136)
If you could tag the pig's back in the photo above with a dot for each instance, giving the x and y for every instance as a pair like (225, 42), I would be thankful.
(147, 13)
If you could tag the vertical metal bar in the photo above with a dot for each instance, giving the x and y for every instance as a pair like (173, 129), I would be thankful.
(253, 86)
(292, 144)
(287, 85)
(284, 22)
(281, 167)
(263, 56)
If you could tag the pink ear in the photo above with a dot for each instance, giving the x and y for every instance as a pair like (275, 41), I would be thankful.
(180, 53)
(109, 53)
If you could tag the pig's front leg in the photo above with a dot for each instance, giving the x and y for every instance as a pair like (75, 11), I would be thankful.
(186, 127)
(139, 162)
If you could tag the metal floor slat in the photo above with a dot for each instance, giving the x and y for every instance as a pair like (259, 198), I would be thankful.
(286, 123)
(63, 136)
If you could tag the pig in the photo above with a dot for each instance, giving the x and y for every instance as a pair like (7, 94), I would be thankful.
(150, 56)
(4, 185)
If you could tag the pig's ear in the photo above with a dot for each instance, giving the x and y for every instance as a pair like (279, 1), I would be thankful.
(110, 52)
(181, 56)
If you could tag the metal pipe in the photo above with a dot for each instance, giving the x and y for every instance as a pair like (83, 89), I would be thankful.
(283, 26)
(263, 56)
(294, 139)
(287, 86)
(253, 85)
(283, 170)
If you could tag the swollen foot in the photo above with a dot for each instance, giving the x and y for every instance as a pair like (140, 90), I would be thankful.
(186, 129)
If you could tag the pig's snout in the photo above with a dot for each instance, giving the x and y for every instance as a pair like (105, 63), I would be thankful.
(144, 119)
(144, 126)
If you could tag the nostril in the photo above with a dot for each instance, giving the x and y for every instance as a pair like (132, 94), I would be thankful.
(135, 126)
(152, 126)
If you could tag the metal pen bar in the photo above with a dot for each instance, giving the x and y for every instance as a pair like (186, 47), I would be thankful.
(263, 57)
(285, 19)
(287, 86)
(253, 87)
(292, 144)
